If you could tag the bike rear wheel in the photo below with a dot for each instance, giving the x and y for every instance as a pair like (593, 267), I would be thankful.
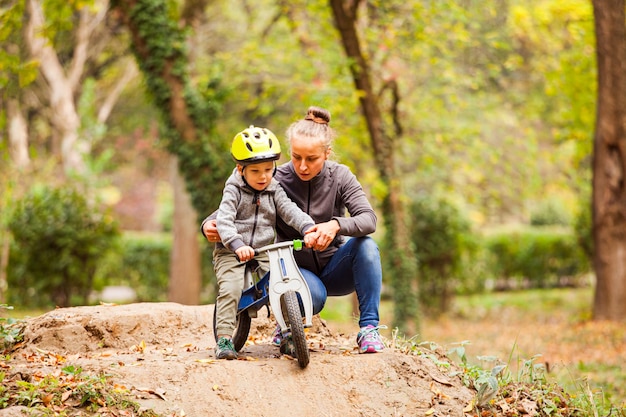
(242, 328)
(293, 317)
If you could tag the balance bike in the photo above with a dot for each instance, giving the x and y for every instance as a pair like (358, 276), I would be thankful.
(279, 291)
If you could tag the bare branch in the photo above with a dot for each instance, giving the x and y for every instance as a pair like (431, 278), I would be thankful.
(130, 72)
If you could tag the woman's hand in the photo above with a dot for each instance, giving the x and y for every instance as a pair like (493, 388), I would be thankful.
(323, 235)
(209, 229)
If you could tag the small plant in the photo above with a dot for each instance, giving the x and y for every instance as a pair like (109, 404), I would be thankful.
(501, 392)
(10, 330)
(68, 393)
(529, 392)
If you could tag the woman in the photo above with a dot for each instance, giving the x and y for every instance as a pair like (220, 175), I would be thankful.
(332, 265)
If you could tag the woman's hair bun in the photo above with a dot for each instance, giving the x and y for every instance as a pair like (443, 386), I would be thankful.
(318, 115)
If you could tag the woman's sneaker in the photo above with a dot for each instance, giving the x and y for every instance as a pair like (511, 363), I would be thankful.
(287, 347)
(225, 349)
(369, 339)
(277, 337)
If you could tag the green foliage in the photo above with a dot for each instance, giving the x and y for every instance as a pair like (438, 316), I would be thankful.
(15, 72)
(400, 267)
(142, 262)
(60, 238)
(497, 390)
(536, 257)
(11, 331)
(441, 236)
(159, 47)
(71, 391)
(583, 226)
(550, 212)
(557, 39)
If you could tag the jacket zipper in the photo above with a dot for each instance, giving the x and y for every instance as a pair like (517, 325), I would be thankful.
(308, 211)
(308, 199)
(256, 201)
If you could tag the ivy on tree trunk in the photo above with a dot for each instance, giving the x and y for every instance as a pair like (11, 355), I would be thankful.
(188, 114)
(158, 42)
(399, 254)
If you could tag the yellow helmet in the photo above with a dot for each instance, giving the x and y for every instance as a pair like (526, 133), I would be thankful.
(255, 144)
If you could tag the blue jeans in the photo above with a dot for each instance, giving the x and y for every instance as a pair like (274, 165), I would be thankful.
(354, 267)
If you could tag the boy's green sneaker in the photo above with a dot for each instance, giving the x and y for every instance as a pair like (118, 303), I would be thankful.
(225, 349)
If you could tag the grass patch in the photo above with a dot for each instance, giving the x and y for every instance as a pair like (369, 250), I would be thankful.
(68, 392)
(550, 329)
(20, 313)
(534, 304)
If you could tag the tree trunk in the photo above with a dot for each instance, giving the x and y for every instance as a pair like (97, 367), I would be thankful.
(166, 76)
(65, 118)
(609, 163)
(5, 245)
(185, 272)
(18, 135)
(404, 277)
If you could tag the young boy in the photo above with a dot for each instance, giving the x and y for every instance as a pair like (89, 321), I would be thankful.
(252, 199)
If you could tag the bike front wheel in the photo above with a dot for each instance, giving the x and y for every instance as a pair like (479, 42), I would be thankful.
(293, 316)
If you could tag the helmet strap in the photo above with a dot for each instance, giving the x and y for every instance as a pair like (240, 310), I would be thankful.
(243, 177)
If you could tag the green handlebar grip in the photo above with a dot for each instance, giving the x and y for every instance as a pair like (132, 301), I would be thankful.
(297, 244)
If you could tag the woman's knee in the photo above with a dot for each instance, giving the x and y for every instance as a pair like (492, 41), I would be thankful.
(317, 290)
(367, 250)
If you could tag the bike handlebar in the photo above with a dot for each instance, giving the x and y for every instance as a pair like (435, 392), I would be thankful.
(297, 244)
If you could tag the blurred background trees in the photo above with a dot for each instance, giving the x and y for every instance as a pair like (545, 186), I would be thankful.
(486, 109)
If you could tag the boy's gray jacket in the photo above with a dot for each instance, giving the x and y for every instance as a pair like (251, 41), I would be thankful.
(248, 217)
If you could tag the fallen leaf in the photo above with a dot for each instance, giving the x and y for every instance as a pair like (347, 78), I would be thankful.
(159, 392)
(207, 360)
(469, 407)
(430, 412)
(46, 399)
(438, 393)
(141, 347)
(119, 388)
(65, 396)
(441, 380)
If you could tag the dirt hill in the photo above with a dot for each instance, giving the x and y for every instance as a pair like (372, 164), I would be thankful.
(163, 354)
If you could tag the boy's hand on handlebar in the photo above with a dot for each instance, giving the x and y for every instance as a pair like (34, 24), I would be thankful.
(210, 231)
(245, 253)
(309, 239)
